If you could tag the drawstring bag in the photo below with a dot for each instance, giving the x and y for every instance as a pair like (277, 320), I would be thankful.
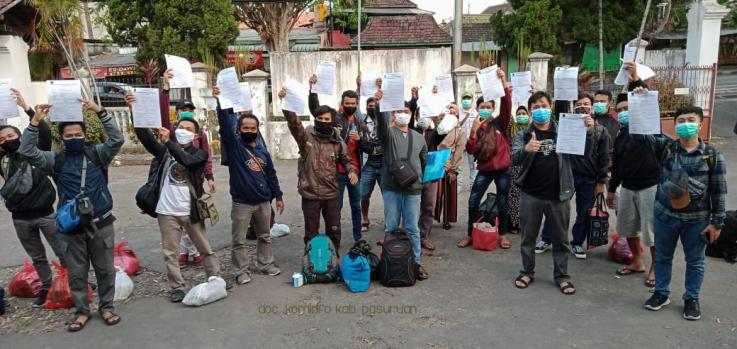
(125, 258)
(25, 283)
(598, 220)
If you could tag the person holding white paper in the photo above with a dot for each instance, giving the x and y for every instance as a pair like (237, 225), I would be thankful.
(181, 71)
(8, 107)
(546, 181)
(467, 117)
(349, 123)
(324, 78)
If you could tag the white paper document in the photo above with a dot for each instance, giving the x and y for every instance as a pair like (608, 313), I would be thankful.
(368, 85)
(521, 86)
(571, 134)
(296, 98)
(182, 71)
(65, 97)
(146, 111)
(429, 103)
(231, 95)
(8, 106)
(246, 91)
(491, 85)
(445, 87)
(565, 81)
(644, 113)
(325, 78)
(643, 72)
(392, 87)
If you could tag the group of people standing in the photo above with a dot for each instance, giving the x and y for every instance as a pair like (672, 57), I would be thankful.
(348, 150)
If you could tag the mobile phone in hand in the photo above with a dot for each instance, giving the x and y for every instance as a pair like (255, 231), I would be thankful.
(704, 237)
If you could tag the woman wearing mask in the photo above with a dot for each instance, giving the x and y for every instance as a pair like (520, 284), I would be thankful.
(521, 121)
(452, 137)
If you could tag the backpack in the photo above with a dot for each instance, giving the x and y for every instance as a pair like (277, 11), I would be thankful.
(320, 262)
(726, 245)
(397, 264)
(356, 272)
(19, 184)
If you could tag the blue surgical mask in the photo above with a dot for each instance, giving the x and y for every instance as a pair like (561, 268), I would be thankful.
(74, 144)
(466, 103)
(484, 113)
(541, 115)
(599, 107)
(624, 118)
(687, 130)
(522, 119)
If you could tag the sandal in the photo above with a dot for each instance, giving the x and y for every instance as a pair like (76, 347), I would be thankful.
(565, 286)
(649, 283)
(504, 243)
(627, 271)
(521, 280)
(364, 227)
(465, 242)
(111, 318)
(76, 325)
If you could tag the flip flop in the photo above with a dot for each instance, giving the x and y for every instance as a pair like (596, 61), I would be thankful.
(503, 246)
(524, 283)
(649, 283)
(76, 325)
(112, 319)
(364, 227)
(627, 271)
(567, 285)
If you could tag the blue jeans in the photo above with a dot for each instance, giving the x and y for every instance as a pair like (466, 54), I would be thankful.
(354, 195)
(478, 192)
(370, 176)
(585, 199)
(405, 208)
(667, 232)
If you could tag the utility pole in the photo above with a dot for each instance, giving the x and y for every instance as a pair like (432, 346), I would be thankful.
(601, 48)
(457, 33)
(359, 37)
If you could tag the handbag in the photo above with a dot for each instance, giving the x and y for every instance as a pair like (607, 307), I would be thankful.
(484, 236)
(205, 204)
(69, 215)
(401, 170)
(598, 217)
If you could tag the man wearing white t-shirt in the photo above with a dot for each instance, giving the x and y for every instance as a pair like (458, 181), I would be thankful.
(467, 116)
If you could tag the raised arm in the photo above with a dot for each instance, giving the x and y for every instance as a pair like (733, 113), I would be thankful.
(294, 123)
(190, 161)
(164, 100)
(107, 150)
(313, 101)
(43, 160)
(145, 136)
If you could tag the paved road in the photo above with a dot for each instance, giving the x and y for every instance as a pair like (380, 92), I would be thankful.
(469, 301)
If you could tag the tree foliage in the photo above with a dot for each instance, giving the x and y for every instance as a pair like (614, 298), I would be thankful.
(273, 21)
(544, 27)
(179, 27)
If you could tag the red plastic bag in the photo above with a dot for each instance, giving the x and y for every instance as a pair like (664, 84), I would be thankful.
(620, 251)
(60, 295)
(125, 258)
(25, 283)
(484, 236)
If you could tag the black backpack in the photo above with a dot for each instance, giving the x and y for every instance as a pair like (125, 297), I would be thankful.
(726, 245)
(397, 264)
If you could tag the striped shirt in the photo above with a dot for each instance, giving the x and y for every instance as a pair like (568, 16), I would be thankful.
(710, 206)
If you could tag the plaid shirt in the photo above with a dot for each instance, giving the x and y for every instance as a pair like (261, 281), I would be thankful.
(710, 207)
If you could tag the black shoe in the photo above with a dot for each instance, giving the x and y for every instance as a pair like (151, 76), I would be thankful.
(41, 299)
(657, 302)
(176, 296)
(446, 226)
(251, 234)
(691, 310)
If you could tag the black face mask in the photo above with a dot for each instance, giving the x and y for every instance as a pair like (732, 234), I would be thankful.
(324, 128)
(11, 146)
(372, 112)
(349, 110)
(249, 137)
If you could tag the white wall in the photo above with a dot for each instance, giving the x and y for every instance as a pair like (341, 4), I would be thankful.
(420, 66)
(665, 58)
(14, 63)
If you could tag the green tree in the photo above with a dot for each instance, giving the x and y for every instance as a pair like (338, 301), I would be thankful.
(532, 26)
(179, 27)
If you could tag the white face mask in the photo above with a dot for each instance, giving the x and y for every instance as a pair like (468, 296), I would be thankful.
(402, 119)
(184, 136)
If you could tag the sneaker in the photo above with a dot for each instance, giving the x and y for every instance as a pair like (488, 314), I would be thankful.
(243, 278)
(41, 299)
(270, 270)
(691, 310)
(657, 302)
(579, 252)
(542, 247)
(176, 296)
(197, 260)
(183, 259)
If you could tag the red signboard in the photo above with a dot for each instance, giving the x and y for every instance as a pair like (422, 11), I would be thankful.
(99, 73)
(103, 72)
(249, 59)
(124, 70)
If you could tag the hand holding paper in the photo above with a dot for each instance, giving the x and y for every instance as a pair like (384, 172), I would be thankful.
(181, 70)
(294, 97)
(66, 98)
(325, 78)
(571, 134)
(491, 85)
(8, 107)
(145, 108)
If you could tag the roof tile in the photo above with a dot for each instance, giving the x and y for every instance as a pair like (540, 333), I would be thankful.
(402, 29)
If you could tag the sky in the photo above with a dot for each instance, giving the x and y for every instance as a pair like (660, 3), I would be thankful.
(444, 8)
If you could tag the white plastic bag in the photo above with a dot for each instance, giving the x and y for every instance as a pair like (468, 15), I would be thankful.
(449, 122)
(206, 292)
(279, 230)
(123, 285)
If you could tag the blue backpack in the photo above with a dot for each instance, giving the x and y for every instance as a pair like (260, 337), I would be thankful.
(356, 272)
(320, 262)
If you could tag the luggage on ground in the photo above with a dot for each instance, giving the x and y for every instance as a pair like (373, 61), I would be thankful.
(397, 263)
(320, 261)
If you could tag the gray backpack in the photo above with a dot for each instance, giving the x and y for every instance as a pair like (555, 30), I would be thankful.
(17, 185)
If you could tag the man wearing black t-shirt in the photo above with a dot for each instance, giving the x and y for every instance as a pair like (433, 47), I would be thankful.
(546, 181)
